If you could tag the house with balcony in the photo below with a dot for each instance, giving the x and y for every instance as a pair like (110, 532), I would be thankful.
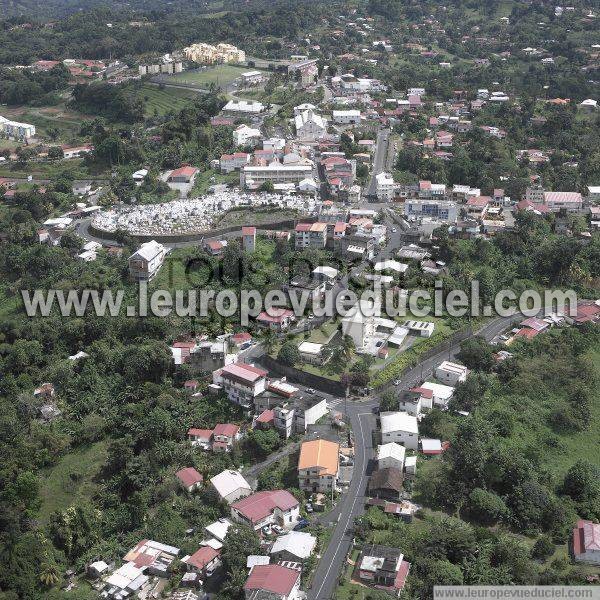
(241, 382)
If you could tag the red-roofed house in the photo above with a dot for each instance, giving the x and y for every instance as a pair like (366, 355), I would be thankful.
(278, 319)
(241, 338)
(200, 437)
(224, 435)
(477, 206)
(204, 561)
(214, 247)
(586, 542)
(266, 419)
(267, 508)
(535, 324)
(587, 311)
(526, 334)
(189, 479)
(184, 174)
(248, 238)
(233, 162)
(272, 581)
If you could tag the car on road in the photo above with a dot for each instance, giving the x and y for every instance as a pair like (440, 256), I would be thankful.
(394, 230)
(397, 381)
(310, 390)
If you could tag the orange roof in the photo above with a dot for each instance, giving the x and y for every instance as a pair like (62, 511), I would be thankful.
(321, 454)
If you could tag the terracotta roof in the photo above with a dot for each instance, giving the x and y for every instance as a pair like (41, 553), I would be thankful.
(272, 578)
(189, 476)
(243, 372)
(202, 433)
(275, 315)
(322, 454)
(248, 230)
(184, 171)
(227, 429)
(202, 557)
(262, 504)
(267, 416)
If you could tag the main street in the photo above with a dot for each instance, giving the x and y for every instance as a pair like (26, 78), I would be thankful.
(379, 161)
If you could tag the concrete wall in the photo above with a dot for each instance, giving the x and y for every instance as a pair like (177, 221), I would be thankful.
(307, 379)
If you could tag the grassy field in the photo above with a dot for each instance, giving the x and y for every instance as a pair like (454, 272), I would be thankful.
(220, 75)
(158, 102)
(210, 177)
(72, 479)
(45, 118)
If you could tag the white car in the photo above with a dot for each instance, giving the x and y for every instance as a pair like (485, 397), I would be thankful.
(397, 382)
(394, 230)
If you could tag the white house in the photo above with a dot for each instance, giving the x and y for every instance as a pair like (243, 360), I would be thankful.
(230, 486)
(295, 546)
(244, 135)
(451, 373)
(311, 352)
(390, 455)
(146, 262)
(400, 427)
(441, 393)
(245, 107)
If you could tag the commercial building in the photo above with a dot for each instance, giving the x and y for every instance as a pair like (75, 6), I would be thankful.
(385, 187)
(255, 176)
(442, 210)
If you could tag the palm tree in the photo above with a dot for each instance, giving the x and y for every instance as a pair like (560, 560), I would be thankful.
(49, 574)
(269, 340)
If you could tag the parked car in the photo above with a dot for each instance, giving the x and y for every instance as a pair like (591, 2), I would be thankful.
(310, 390)
(397, 382)
(308, 507)
(302, 523)
(277, 529)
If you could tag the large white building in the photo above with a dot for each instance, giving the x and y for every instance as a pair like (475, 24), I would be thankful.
(310, 126)
(401, 428)
(253, 176)
(347, 117)
(16, 131)
(385, 189)
(442, 210)
(244, 107)
(146, 262)
(244, 135)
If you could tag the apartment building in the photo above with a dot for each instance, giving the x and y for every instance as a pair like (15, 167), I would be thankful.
(241, 382)
(385, 189)
(209, 54)
(14, 130)
(442, 210)
(311, 235)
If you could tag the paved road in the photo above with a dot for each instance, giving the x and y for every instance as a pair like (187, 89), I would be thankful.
(380, 160)
(326, 574)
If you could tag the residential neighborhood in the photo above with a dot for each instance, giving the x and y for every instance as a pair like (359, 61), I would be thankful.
(299, 300)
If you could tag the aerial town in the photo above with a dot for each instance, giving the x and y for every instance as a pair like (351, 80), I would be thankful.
(427, 153)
